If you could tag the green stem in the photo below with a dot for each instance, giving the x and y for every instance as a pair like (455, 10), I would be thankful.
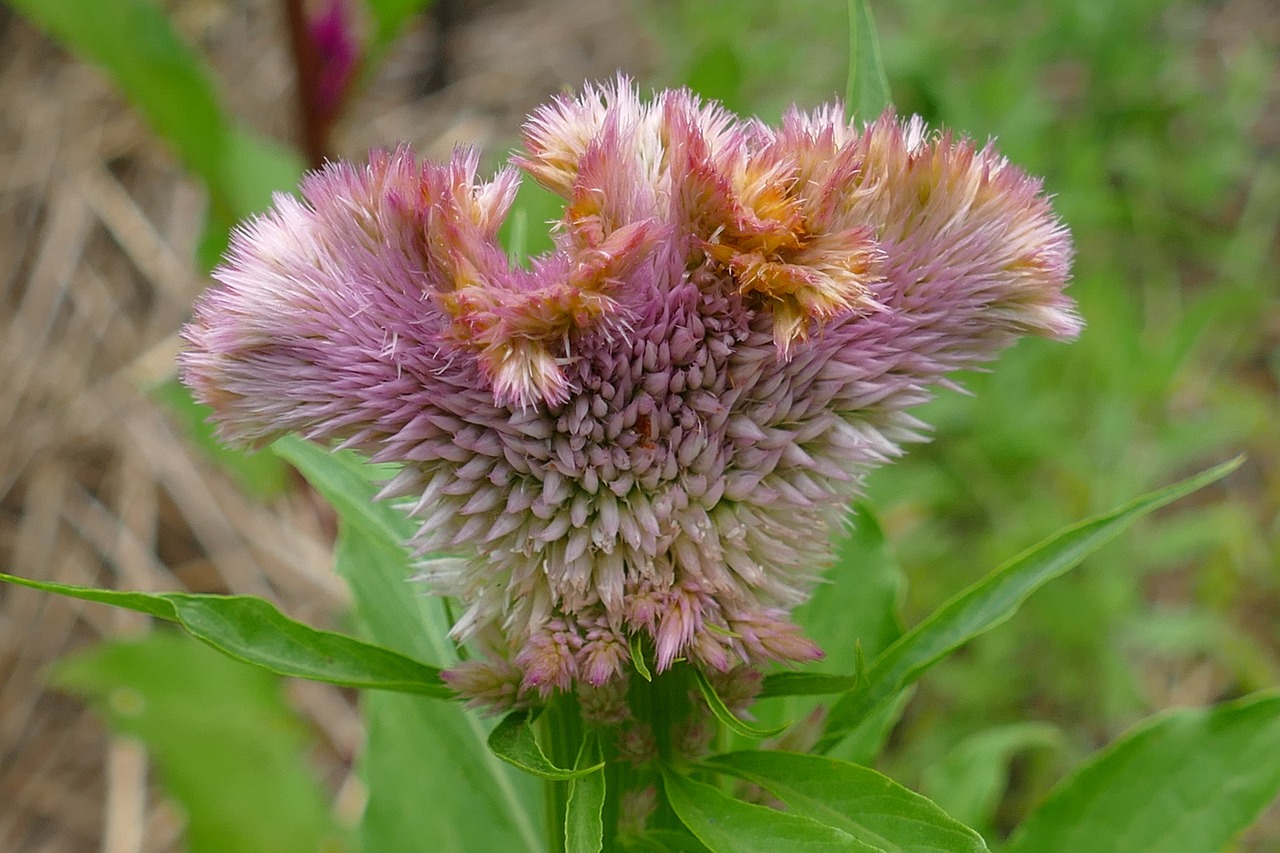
(615, 782)
(671, 707)
(562, 733)
(664, 704)
(554, 816)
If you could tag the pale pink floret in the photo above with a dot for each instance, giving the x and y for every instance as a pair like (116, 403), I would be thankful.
(549, 661)
(559, 134)
(494, 683)
(648, 434)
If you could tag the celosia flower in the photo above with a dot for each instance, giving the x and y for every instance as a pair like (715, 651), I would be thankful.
(653, 430)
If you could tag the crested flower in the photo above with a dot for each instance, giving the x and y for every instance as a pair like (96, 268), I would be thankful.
(649, 434)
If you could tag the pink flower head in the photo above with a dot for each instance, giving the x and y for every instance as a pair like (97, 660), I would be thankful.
(651, 431)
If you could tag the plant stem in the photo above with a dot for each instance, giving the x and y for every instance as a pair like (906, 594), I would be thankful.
(670, 707)
(306, 62)
(561, 729)
(665, 705)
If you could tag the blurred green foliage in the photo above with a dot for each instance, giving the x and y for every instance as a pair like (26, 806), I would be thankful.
(227, 748)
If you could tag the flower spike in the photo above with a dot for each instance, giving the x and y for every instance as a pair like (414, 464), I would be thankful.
(642, 440)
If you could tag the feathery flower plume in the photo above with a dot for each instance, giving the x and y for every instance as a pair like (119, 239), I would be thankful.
(652, 431)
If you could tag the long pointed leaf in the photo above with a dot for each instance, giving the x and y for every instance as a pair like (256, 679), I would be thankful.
(727, 825)
(867, 92)
(344, 481)
(252, 630)
(853, 614)
(805, 684)
(637, 658)
(857, 800)
(409, 798)
(991, 601)
(855, 610)
(663, 841)
(722, 713)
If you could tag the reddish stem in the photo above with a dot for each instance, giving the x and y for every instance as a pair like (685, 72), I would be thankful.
(306, 60)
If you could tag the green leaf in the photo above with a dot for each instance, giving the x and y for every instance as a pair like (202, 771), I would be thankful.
(142, 602)
(868, 806)
(261, 474)
(513, 741)
(518, 237)
(637, 657)
(664, 841)
(727, 825)
(725, 716)
(252, 630)
(805, 684)
(251, 169)
(169, 84)
(584, 815)
(347, 482)
(867, 92)
(969, 780)
(868, 738)
(856, 608)
(991, 601)
(226, 746)
(409, 798)
(1188, 780)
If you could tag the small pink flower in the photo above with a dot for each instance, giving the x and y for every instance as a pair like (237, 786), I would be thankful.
(549, 660)
(604, 654)
(651, 432)
(493, 684)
